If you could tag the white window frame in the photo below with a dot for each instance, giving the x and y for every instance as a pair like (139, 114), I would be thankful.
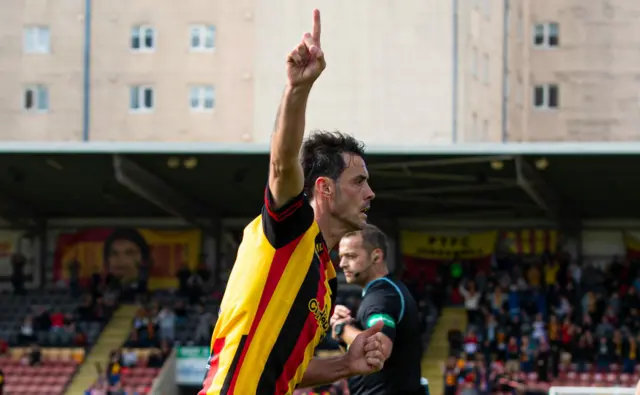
(546, 35)
(36, 40)
(546, 88)
(140, 91)
(141, 31)
(205, 34)
(200, 96)
(39, 92)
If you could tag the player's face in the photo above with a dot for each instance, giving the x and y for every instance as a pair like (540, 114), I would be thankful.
(353, 196)
(124, 257)
(354, 258)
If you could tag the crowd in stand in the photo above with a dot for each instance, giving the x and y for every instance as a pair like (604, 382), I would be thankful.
(154, 327)
(532, 322)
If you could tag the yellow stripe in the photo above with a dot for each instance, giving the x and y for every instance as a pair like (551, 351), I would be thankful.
(525, 240)
(541, 241)
(276, 313)
(242, 296)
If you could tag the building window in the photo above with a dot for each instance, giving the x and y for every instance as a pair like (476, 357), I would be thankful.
(546, 96)
(546, 35)
(36, 98)
(143, 38)
(202, 98)
(141, 98)
(203, 37)
(37, 39)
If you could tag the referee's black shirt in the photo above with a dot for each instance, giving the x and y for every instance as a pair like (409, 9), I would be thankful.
(389, 301)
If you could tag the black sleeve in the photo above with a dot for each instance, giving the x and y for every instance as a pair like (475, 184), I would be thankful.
(382, 303)
(287, 223)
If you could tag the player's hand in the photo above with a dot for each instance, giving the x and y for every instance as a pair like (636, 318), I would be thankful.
(306, 62)
(339, 312)
(365, 355)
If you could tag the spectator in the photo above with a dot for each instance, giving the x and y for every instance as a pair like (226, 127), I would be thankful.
(4, 348)
(206, 320)
(117, 389)
(204, 272)
(471, 301)
(183, 275)
(456, 340)
(99, 389)
(114, 368)
(1, 382)
(18, 263)
(74, 277)
(156, 359)
(630, 355)
(181, 312)
(167, 324)
(129, 358)
(27, 333)
(195, 288)
(33, 357)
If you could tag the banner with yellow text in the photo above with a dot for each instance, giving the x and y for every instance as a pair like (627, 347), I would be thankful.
(531, 241)
(424, 252)
(121, 251)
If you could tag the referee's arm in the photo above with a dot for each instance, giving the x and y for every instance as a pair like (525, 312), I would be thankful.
(379, 305)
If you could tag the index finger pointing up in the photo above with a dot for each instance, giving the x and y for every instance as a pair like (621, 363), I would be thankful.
(316, 27)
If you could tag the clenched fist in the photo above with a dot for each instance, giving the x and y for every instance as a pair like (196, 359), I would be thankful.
(306, 62)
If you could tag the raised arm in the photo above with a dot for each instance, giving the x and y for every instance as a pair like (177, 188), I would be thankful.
(304, 65)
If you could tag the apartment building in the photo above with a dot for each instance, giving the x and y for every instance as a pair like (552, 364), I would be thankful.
(418, 72)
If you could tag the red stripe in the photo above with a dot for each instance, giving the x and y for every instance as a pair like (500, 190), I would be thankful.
(278, 264)
(218, 345)
(307, 335)
(284, 214)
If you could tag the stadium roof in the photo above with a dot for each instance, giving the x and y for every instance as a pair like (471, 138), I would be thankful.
(537, 148)
(562, 181)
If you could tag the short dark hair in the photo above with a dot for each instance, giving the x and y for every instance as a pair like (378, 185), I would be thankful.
(372, 238)
(321, 156)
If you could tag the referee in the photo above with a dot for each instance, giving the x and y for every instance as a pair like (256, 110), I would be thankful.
(362, 258)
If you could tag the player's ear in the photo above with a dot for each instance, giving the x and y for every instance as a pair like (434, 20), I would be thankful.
(376, 255)
(324, 187)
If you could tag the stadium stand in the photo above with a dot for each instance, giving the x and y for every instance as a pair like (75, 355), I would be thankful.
(47, 334)
(547, 322)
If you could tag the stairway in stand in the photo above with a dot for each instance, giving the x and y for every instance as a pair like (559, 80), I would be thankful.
(437, 353)
(112, 337)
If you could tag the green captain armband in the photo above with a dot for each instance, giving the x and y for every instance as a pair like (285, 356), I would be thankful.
(385, 318)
